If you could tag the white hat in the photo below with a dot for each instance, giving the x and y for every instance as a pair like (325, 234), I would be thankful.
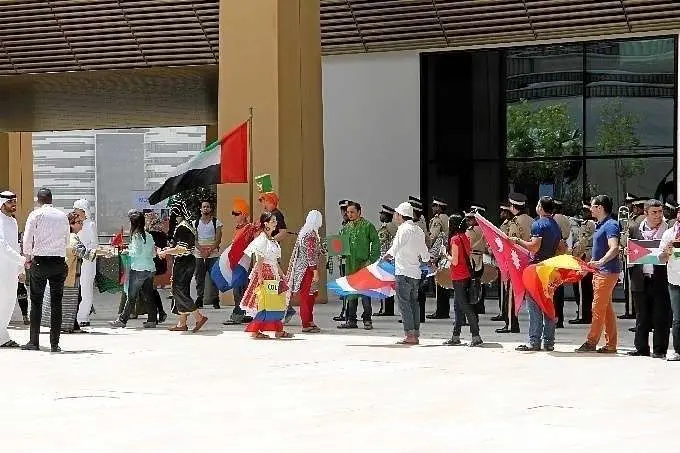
(405, 209)
(7, 195)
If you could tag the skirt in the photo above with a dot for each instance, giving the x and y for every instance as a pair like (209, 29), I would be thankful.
(182, 273)
(69, 308)
(263, 321)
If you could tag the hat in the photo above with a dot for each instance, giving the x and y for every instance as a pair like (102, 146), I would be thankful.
(416, 203)
(416, 199)
(272, 197)
(343, 203)
(7, 195)
(630, 197)
(639, 201)
(386, 210)
(557, 202)
(476, 207)
(439, 201)
(405, 209)
(671, 205)
(517, 199)
(241, 206)
(504, 207)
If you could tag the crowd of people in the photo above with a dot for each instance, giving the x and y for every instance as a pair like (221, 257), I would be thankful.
(59, 251)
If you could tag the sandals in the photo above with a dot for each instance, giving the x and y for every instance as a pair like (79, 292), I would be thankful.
(311, 329)
(10, 344)
(260, 336)
(283, 334)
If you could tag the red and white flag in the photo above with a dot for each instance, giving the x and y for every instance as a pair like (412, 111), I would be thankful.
(510, 257)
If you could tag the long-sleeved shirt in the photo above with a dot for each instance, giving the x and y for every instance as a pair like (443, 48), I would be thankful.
(409, 250)
(47, 232)
(364, 244)
(9, 234)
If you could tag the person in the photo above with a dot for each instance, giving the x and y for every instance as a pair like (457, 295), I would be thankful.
(46, 237)
(386, 234)
(545, 240)
(636, 207)
(670, 211)
(267, 253)
(583, 249)
(364, 249)
(605, 260)
(460, 253)
(670, 254)
(505, 216)
(154, 226)
(240, 211)
(209, 237)
(88, 236)
(22, 292)
(478, 245)
(565, 229)
(184, 239)
(649, 288)
(11, 265)
(438, 234)
(419, 219)
(302, 277)
(341, 259)
(408, 250)
(141, 251)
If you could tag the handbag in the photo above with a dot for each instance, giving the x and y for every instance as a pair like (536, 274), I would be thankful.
(475, 288)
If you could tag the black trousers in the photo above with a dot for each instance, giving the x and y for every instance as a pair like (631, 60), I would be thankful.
(443, 302)
(585, 296)
(22, 297)
(558, 301)
(182, 273)
(47, 269)
(509, 313)
(205, 288)
(653, 313)
(389, 306)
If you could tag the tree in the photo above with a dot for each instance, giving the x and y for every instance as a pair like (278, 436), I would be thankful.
(194, 197)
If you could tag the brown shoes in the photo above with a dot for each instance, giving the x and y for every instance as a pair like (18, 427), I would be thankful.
(200, 324)
(178, 328)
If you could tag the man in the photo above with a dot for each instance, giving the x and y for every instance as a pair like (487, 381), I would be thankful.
(565, 228)
(364, 249)
(88, 236)
(636, 215)
(11, 265)
(505, 216)
(478, 247)
(649, 288)
(606, 260)
(240, 211)
(545, 240)
(583, 249)
(439, 235)
(386, 234)
(341, 259)
(45, 239)
(419, 219)
(518, 228)
(670, 242)
(409, 251)
(670, 211)
(511, 229)
(207, 253)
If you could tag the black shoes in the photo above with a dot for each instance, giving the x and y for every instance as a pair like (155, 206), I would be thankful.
(149, 325)
(162, 317)
(348, 325)
(497, 318)
(527, 348)
(30, 347)
(437, 316)
(339, 318)
(55, 349)
(507, 330)
(579, 321)
(637, 354)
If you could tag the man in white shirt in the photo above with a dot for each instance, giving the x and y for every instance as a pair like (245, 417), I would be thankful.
(11, 265)
(207, 253)
(45, 239)
(409, 251)
(88, 236)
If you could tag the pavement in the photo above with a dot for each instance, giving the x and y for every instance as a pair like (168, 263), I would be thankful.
(217, 390)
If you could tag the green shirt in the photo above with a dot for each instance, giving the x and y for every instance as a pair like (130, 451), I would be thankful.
(364, 244)
(141, 253)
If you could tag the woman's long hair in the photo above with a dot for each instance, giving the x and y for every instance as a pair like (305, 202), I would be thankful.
(265, 217)
(137, 225)
(457, 225)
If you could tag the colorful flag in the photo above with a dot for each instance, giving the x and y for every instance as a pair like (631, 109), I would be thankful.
(232, 267)
(271, 308)
(542, 279)
(228, 164)
(337, 245)
(376, 280)
(643, 251)
(510, 257)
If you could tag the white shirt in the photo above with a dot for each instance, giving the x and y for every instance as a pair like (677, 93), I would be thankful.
(266, 250)
(205, 236)
(673, 267)
(409, 250)
(47, 232)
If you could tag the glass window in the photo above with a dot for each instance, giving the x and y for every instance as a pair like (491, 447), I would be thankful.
(630, 92)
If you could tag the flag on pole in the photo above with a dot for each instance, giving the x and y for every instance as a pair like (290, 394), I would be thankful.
(542, 279)
(510, 257)
(643, 251)
(232, 267)
(224, 161)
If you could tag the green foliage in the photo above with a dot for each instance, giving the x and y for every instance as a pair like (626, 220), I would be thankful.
(194, 197)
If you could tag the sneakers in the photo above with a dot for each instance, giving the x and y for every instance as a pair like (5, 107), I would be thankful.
(586, 347)
(454, 341)
(368, 325)
(476, 341)
(117, 324)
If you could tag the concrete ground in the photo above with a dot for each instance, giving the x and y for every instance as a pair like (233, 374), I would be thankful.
(159, 391)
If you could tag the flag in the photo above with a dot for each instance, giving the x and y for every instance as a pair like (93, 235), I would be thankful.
(224, 161)
(510, 257)
(542, 279)
(643, 251)
(376, 280)
(117, 240)
(232, 267)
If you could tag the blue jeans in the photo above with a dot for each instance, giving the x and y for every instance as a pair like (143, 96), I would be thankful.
(353, 304)
(407, 300)
(539, 325)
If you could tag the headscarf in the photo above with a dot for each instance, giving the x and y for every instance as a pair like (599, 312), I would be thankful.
(313, 223)
(179, 208)
(7, 196)
(83, 205)
(271, 197)
(240, 205)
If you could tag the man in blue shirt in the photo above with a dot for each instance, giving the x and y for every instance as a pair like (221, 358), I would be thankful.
(545, 239)
(606, 261)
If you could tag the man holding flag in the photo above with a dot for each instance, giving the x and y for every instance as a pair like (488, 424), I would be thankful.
(545, 240)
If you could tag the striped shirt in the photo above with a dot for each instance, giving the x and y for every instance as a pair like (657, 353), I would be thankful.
(47, 232)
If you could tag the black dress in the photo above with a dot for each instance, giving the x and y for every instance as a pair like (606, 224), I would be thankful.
(183, 270)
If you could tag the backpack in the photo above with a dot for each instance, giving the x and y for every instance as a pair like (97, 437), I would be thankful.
(214, 222)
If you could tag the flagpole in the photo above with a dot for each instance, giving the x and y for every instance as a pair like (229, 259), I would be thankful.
(250, 161)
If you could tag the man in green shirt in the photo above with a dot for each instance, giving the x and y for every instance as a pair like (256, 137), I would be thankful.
(364, 249)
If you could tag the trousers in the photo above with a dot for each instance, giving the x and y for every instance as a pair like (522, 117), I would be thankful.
(45, 269)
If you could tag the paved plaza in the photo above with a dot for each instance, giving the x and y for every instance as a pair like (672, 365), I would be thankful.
(136, 390)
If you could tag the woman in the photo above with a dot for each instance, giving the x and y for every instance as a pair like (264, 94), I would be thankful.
(141, 251)
(303, 276)
(461, 277)
(267, 253)
(184, 238)
(154, 226)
